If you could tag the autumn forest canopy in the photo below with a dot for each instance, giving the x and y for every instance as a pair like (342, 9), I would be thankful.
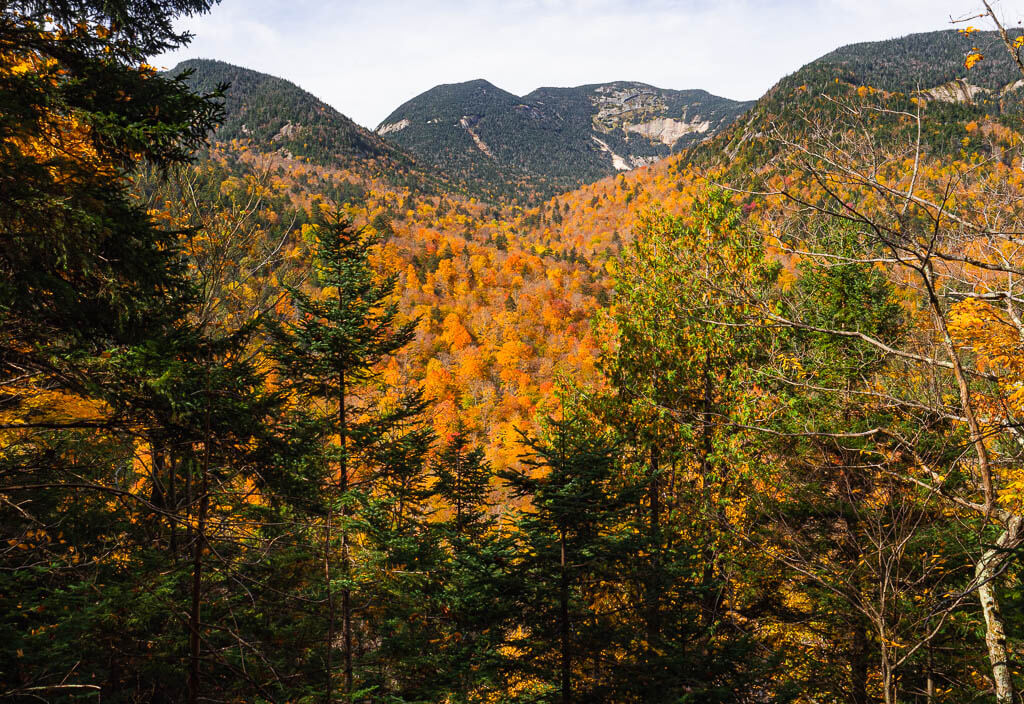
(609, 394)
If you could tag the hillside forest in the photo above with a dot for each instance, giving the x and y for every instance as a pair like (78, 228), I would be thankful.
(291, 414)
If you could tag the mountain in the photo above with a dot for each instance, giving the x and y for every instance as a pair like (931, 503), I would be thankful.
(477, 139)
(926, 61)
(271, 116)
(591, 221)
(924, 71)
(274, 113)
(559, 137)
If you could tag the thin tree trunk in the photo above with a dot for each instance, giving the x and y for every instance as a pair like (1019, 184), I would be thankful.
(673, 495)
(197, 582)
(930, 683)
(329, 656)
(888, 693)
(860, 647)
(346, 595)
(197, 563)
(995, 630)
(563, 599)
(346, 609)
(963, 388)
(189, 470)
(887, 685)
(709, 598)
(172, 502)
(158, 495)
(653, 586)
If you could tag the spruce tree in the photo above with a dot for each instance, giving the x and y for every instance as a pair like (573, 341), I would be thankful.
(571, 549)
(328, 355)
(94, 305)
(400, 558)
(146, 465)
(476, 608)
(463, 484)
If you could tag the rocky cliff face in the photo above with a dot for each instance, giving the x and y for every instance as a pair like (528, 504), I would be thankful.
(958, 91)
(644, 111)
(961, 91)
(669, 131)
(617, 105)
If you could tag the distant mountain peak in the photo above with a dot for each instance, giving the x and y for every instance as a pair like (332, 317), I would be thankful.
(270, 111)
(926, 60)
(563, 137)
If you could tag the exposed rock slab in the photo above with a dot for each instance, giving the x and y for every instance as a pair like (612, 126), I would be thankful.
(393, 127)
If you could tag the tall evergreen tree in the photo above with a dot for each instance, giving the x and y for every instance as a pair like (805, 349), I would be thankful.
(145, 466)
(329, 354)
(571, 551)
(400, 558)
(463, 483)
(476, 608)
(94, 330)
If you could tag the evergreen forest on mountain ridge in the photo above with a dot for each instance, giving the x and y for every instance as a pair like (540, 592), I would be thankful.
(600, 394)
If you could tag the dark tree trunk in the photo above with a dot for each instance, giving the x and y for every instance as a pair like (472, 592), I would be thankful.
(329, 655)
(859, 655)
(197, 566)
(563, 603)
(710, 596)
(346, 595)
(172, 501)
(654, 528)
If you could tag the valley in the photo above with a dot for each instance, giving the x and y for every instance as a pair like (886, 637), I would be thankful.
(609, 393)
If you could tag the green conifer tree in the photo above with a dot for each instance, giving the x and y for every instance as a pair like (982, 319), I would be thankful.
(571, 549)
(329, 354)
(475, 609)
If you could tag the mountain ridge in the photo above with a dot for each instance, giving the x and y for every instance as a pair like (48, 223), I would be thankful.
(478, 139)
(565, 136)
(268, 109)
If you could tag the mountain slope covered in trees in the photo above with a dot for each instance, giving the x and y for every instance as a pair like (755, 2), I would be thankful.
(273, 116)
(926, 60)
(563, 136)
(272, 112)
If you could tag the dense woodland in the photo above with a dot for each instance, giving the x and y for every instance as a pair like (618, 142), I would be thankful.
(318, 426)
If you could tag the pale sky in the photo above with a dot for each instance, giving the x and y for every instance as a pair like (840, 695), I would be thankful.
(367, 58)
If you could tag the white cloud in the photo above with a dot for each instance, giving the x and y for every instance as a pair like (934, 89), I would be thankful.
(365, 59)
